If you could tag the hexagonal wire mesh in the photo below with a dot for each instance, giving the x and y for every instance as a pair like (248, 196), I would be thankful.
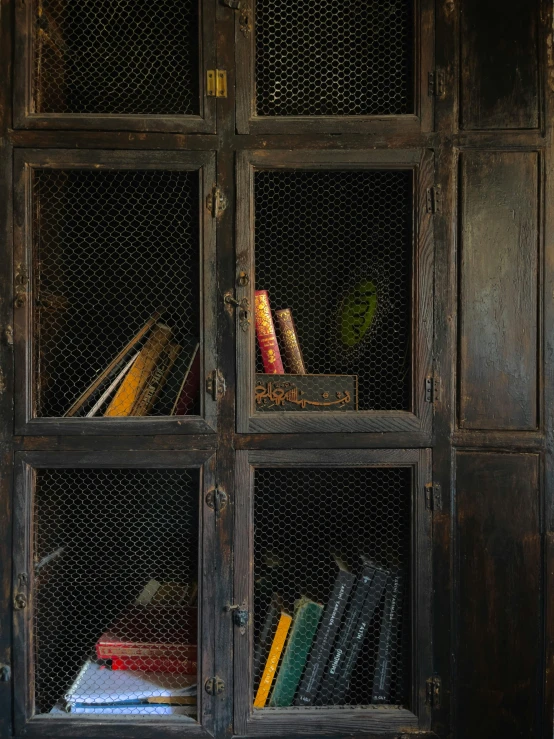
(349, 58)
(318, 237)
(132, 534)
(112, 247)
(124, 57)
(303, 517)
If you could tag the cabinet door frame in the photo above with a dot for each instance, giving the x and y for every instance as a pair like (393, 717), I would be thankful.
(26, 117)
(420, 121)
(335, 721)
(25, 162)
(26, 464)
(417, 422)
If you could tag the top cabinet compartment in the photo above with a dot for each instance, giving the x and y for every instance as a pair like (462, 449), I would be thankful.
(126, 65)
(304, 66)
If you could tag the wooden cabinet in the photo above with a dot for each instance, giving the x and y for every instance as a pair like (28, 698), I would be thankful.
(382, 169)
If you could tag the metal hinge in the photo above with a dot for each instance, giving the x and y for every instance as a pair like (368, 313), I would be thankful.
(437, 84)
(431, 389)
(215, 384)
(216, 202)
(434, 199)
(216, 499)
(433, 496)
(433, 691)
(214, 686)
(216, 83)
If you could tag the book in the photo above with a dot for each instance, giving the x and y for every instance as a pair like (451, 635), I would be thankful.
(152, 638)
(104, 396)
(273, 658)
(97, 688)
(307, 614)
(113, 364)
(267, 338)
(263, 644)
(157, 379)
(171, 389)
(326, 634)
(344, 674)
(388, 636)
(190, 386)
(134, 382)
(345, 635)
(289, 341)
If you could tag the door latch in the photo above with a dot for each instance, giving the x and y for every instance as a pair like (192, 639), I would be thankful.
(244, 309)
(240, 616)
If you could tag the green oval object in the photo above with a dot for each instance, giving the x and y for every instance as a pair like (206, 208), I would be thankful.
(358, 311)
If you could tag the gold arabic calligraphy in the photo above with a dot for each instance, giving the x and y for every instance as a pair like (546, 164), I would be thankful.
(280, 395)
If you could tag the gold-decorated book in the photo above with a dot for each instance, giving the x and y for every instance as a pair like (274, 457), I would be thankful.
(289, 342)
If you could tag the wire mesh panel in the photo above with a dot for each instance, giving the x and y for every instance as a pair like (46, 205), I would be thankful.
(335, 247)
(331, 586)
(115, 591)
(123, 57)
(342, 59)
(117, 294)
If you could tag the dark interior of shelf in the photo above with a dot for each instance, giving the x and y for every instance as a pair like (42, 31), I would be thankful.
(303, 517)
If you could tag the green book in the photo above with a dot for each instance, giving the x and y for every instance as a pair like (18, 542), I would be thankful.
(306, 619)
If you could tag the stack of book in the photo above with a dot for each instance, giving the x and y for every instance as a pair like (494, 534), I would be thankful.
(309, 658)
(151, 374)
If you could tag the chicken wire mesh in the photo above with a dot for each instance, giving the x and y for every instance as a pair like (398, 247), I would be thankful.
(116, 286)
(115, 590)
(350, 58)
(334, 246)
(305, 520)
(116, 57)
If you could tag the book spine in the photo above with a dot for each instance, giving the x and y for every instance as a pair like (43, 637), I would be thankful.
(267, 338)
(325, 637)
(157, 380)
(289, 340)
(305, 624)
(109, 390)
(372, 601)
(387, 641)
(137, 377)
(273, 660)
(190, 387)
(345, 636)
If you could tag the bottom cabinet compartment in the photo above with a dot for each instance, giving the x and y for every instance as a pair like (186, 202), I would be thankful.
(339, 581)
(108, 597)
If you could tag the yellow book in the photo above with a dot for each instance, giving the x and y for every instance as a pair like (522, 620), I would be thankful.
(139, 374)
(273, 660)
(156, 381)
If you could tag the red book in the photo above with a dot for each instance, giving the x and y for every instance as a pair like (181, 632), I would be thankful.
(267, 338)
(152, 639)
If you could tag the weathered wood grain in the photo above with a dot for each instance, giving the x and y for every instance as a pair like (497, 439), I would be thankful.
(499, 278)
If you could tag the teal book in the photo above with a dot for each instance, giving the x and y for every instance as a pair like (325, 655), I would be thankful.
(306, 619)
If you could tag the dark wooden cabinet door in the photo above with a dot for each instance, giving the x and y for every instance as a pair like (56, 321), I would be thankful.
(107, 245)
(98, 537)
(132, 67)
(295, 513)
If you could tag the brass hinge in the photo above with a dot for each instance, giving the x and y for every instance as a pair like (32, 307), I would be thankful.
(437, 84)
(431, 389)
(215, 384)
(216, 499)
(216, 83)
(434, 199)
(216, 202)
(214, 686)
(433, 691)
(433, 496)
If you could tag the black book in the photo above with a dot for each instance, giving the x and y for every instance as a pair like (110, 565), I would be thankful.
(372, 601)
(345, 636)
(388, 639)
(325, 636)
(265, 639)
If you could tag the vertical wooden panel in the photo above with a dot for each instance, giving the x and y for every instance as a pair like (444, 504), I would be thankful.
(499, 64)
(498, 290)
(499, 547)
